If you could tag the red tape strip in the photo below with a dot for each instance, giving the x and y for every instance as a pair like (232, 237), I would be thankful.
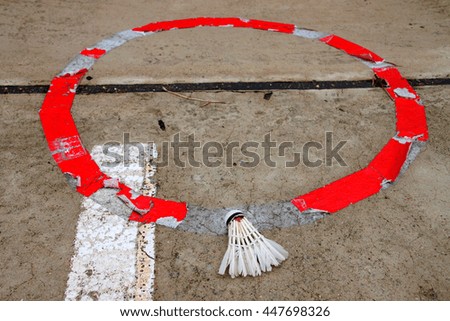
(93, 53)
(341, 193)
(62, 134)
(411, 119)
(394, 81)
(161, 208)
(216, 22)
(149, 209)
(351, 48)
(390, 159)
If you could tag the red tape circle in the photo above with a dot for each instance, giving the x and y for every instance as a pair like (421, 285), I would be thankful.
(73, 159)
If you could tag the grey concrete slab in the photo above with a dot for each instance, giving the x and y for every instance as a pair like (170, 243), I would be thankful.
(391, 246)
(40, 38)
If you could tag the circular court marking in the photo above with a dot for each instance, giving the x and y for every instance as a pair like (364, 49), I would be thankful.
(82, 172)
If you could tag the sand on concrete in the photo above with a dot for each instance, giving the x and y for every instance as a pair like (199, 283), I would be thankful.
(393, 246)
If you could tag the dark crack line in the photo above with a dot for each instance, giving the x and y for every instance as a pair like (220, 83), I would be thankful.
(220, 86)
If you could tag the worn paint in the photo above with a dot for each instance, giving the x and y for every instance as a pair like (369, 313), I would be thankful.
(108, 257)
(265, 216)
(309, 34)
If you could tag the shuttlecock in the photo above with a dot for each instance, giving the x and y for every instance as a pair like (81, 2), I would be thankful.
(248, 252)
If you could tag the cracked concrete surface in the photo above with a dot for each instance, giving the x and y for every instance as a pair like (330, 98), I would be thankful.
(392, 246)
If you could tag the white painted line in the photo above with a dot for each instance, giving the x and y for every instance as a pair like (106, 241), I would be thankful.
(105, 265)
(145, 263)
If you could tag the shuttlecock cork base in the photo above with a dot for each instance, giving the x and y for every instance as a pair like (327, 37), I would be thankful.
(248, 252)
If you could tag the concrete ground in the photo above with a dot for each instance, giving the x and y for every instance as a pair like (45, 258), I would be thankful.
(392, 246)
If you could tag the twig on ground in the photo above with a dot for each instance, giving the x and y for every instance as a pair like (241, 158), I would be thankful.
(207, 102)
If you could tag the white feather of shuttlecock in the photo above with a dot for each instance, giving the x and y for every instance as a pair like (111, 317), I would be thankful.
(249, 252)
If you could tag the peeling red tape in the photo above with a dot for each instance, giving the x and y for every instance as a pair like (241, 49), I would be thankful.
(93, 53)
(160, 209)
(72, 158)
(147, 209)
(411, 119)
(216, 22)
(394, 81)
(351, 48)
